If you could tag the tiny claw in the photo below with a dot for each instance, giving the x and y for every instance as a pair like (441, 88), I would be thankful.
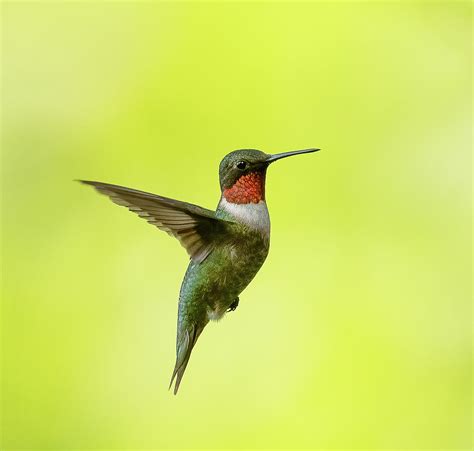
(233, 306)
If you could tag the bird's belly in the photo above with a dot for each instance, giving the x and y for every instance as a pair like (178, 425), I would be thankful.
(211, 286)
(237, 270)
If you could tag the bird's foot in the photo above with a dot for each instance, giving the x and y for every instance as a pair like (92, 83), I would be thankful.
(233, 306)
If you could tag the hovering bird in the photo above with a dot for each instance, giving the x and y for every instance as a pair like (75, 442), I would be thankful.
(226, 247)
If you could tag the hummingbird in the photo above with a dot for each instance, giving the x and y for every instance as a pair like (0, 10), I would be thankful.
(226, 247)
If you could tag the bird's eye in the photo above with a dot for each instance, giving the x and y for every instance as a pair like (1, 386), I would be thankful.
(241, 165)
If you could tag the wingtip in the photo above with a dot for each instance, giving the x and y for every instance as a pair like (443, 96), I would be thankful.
(85, 182)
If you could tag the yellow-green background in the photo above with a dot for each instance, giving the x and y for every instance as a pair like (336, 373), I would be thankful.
(356, 332)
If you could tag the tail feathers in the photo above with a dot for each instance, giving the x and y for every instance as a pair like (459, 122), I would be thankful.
(183, 353)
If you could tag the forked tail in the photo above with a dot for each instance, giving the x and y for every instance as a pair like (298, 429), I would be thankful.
(186, 342)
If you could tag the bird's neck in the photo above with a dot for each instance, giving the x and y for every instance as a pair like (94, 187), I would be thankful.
(252, 215)
(247, 189)
(244, 202)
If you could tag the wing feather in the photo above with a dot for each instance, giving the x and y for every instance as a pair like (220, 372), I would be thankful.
(197, 229)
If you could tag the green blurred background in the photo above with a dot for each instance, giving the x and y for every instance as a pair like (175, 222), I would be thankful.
(356, 332)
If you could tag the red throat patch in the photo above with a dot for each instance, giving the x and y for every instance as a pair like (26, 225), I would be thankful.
(249, 188)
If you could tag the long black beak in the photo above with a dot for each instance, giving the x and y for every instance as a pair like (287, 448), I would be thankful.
(278, 156)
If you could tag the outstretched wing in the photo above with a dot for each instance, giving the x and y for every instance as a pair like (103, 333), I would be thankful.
(195, 227)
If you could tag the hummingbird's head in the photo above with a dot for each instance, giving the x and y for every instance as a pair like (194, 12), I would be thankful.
(242, 174)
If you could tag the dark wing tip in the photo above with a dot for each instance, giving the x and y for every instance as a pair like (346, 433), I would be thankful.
(104, 188)
(113, 191)
(89, 182)
(96, 185)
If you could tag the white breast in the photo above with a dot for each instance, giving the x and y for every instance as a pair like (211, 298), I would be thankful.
(255, 216)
